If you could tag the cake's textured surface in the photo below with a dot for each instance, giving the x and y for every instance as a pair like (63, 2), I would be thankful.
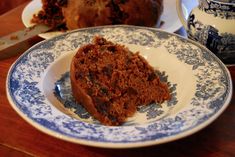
(86, 13)
(110, 81)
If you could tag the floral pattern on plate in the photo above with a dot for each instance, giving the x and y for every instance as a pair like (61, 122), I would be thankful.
(203, 90)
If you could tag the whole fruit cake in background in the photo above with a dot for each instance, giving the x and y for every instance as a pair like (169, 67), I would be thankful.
(73, 14)
(111, 82)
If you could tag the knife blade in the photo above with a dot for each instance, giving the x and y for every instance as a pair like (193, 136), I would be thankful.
(11, 42)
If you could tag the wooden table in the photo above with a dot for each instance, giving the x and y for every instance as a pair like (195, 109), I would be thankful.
(18, 138)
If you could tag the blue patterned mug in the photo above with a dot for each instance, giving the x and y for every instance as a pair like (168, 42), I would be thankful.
(212, 23)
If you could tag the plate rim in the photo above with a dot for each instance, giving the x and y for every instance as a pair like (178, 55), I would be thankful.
(120, 144)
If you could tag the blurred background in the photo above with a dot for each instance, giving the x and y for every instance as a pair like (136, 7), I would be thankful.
(6, 5)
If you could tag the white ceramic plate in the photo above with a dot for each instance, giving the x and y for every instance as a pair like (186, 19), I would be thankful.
(38, 88)
(169, 16)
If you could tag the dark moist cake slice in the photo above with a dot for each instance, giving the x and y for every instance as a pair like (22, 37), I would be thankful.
(110, 81)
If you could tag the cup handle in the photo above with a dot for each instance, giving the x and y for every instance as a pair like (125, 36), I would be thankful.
(180, 13)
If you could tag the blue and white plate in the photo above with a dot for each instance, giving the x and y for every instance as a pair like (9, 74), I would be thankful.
(38, 88)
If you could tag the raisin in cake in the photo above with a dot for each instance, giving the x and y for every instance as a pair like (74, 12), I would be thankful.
(110, 81)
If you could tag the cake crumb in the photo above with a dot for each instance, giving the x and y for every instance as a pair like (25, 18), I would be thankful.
(110, 81)
(14, 37)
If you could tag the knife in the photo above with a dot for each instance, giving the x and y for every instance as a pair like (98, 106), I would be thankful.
(14, 42)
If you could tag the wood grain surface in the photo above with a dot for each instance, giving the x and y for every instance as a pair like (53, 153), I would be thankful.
(6, 5)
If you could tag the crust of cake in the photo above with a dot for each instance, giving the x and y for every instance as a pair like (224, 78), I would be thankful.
(107, 12)
(83, 98)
